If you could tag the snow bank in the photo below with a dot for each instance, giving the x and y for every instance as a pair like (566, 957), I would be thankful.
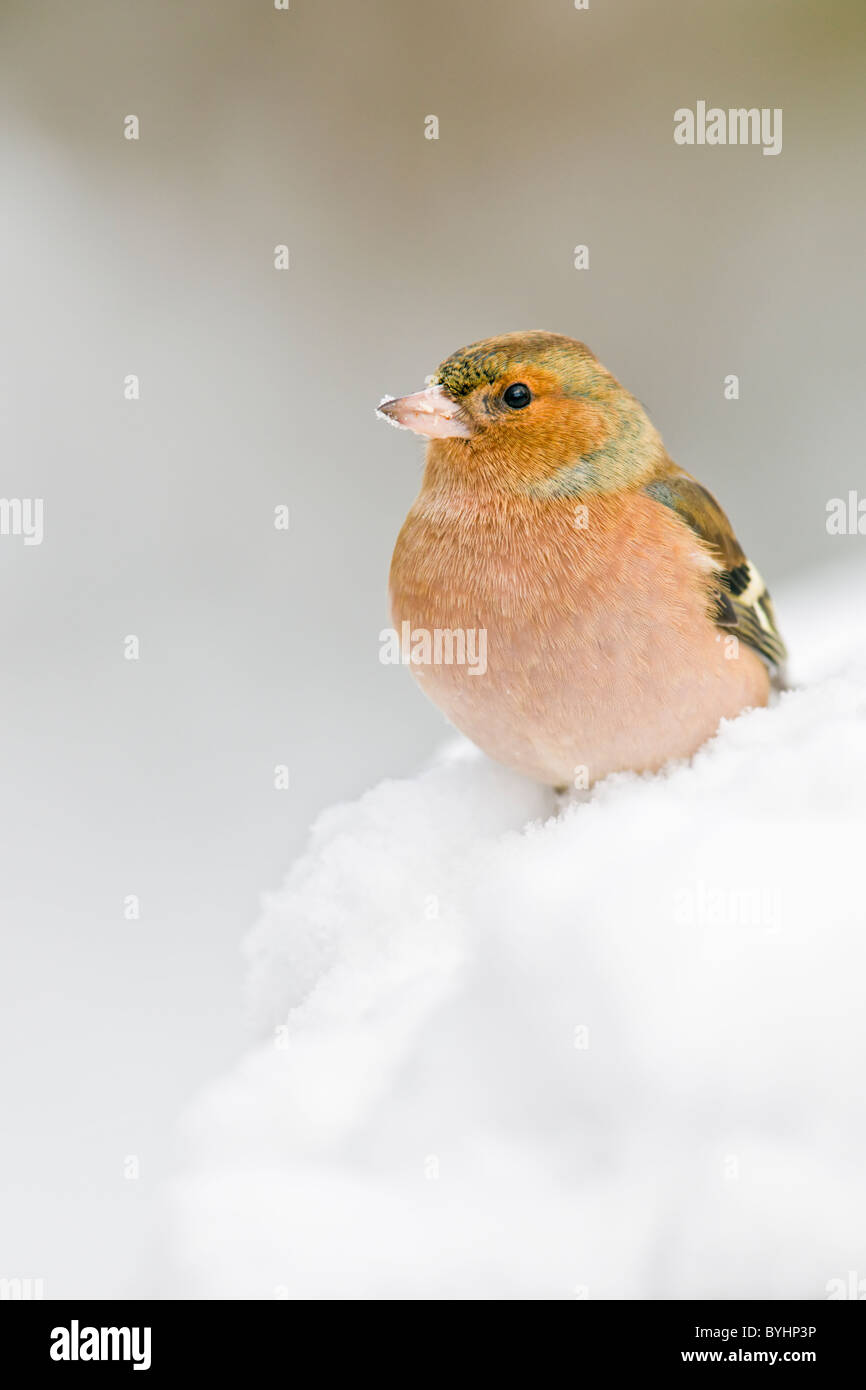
(609, 1049)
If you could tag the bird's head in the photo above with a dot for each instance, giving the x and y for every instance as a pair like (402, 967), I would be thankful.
(531, 412)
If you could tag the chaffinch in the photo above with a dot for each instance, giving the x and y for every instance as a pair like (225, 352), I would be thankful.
(621, 618)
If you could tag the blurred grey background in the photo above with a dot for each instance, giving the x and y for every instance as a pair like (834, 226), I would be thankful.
(155, 257)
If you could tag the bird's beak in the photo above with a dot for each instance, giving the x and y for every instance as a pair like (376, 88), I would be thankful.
(431, 413)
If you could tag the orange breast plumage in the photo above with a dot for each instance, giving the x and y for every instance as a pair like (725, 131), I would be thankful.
(600, 652)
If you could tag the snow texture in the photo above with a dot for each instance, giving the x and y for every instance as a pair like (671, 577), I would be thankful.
(606, 1048)
(380, 415)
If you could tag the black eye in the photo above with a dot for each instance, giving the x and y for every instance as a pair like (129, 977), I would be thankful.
(517, 396)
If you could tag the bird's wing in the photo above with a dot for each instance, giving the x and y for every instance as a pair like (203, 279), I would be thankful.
(744, 607)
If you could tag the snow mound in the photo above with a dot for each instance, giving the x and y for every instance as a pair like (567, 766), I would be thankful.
(518, 1048)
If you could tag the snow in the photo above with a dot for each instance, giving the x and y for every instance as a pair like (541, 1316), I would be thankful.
(513, 1047)
(380, 414)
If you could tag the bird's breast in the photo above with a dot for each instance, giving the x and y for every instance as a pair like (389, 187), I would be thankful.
(593, 622)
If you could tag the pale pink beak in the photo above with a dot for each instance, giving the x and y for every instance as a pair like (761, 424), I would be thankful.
(431, 413)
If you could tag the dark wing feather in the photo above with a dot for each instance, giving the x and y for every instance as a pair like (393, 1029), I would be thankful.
(743, 606)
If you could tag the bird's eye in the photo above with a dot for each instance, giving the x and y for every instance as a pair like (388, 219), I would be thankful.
(517, 396)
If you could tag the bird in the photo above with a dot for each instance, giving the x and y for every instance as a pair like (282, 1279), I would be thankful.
(621, 619)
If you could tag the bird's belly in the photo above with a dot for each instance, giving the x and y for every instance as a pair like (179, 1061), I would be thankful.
(615, 667)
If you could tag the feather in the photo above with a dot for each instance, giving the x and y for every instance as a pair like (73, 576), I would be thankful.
(742, 603)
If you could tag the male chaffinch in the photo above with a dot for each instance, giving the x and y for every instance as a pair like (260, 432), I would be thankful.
(623, 620)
